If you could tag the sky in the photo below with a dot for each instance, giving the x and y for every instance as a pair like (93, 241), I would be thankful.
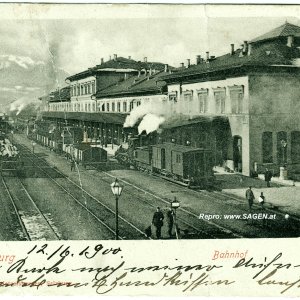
(75, 42)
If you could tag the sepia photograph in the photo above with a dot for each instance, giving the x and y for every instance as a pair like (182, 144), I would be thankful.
(149, 126)
(149, 150)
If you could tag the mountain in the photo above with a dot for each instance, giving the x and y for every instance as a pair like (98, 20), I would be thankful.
(23, 80)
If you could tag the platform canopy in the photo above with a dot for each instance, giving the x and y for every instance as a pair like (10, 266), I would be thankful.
(115, 118)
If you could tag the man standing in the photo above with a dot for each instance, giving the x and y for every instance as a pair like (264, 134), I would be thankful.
(157, 221)
(72, 165)
(268, 176)
(250, 197)
(170, 220)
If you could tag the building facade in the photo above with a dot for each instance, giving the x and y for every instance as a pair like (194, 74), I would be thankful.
(256, 90)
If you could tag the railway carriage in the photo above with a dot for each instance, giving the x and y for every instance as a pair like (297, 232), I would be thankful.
(190, 166)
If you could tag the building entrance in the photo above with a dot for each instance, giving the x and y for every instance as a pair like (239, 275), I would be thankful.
(237, 154)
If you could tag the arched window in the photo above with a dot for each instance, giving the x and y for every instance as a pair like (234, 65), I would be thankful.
(267, 147)
(118, 106)
(107, 106)
(113, 106)
(282, 147)
(295, 146)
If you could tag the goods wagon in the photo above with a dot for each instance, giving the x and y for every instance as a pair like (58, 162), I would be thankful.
(86, 154)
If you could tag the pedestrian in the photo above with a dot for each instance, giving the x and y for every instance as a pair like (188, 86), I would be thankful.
(250, 197)
(157, 221)
(170, 220)
(268, 176)
(72, 165)
(261, 199)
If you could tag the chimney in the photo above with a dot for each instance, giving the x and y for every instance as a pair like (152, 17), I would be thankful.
(232, 49)
(249, 49)
(245, 47)
(188, 62)
(182, 65)
(207, 55)
(115, 56)
(145, 59)
(129, 57)
(102, 61)
(198, 59)
(290, 41)
(166, 68)
(110, 57)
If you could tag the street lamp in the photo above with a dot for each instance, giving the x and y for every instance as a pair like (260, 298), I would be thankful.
(174, 205)
(33, 145)
(116, 189)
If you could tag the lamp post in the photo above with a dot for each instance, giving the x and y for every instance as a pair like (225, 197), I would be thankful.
(33, 145)
(116, 190)
(174, 205)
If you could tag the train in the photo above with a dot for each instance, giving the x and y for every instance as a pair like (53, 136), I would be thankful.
(188, 166)
(68, 140)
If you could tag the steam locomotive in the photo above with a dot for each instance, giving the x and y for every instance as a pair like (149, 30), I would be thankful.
(188, 166)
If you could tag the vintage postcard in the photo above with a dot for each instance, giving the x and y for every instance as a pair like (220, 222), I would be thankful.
(150, 149)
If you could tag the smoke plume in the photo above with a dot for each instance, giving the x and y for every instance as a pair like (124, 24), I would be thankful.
(150, 123)
(152, 113)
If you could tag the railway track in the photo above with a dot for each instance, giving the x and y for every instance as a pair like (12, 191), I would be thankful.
(188, 220)
(194, 226)
(105, 216)
(35, 225)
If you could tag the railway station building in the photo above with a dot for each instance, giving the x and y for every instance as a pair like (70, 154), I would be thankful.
(244, 105)
(99, 99)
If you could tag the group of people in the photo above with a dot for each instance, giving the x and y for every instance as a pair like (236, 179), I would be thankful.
(250, 197)
(158, 222)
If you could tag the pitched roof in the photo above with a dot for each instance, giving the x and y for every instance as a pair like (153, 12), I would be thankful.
(119, 63)
(281, 31)
(270, 53)
(135, 85)
(60, 95)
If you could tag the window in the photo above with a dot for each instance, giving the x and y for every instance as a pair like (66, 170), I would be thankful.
(113, 106)
(94, 107)
(107, 106)
(178, 158)
(89, 88)
(89, 107)
(188, 100)
(103, 107)
(267, 147)
(85, 107)
(220, 101)
(81, 90)
(202, 98)
(85, 89)
(173, 97)
(237, 96)
(124, 106)
(188, 96)
(295, 146)
(282, 147)
(93, 87)
(131, 106)
(78, 90)
(118, 106)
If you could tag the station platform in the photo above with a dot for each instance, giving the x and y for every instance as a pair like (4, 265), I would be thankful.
(282, 194)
